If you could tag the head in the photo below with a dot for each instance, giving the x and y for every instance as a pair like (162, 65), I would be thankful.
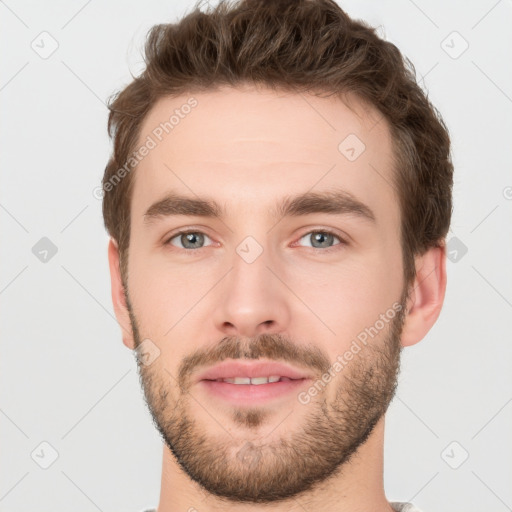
(251, 123)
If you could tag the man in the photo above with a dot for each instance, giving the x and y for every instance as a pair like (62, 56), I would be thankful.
(278, 199)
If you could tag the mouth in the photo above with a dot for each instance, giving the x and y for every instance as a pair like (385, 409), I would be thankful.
(252, 382)
(252, 394)
(255, 381)
(258, 372)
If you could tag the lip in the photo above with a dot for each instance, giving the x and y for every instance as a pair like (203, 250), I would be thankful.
(243, 395)
(231, 369)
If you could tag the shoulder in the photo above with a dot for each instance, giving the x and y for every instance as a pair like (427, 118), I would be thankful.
(401, 506)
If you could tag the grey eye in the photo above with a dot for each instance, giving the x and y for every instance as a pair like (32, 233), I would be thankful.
(320, 239)
(189, 240)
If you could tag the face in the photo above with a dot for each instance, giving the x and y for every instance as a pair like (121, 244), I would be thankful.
(295, 257)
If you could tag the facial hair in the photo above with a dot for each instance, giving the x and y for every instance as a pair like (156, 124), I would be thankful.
(258, 471)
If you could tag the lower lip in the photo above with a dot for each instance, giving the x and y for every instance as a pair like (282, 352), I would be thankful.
(251, 393)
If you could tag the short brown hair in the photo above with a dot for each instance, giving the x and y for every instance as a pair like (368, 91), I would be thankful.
(308, 46)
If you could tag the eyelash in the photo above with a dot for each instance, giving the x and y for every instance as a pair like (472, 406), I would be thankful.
(324, 231)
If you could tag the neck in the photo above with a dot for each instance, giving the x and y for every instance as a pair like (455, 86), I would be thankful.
(357, 487)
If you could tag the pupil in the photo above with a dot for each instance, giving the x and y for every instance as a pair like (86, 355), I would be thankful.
(322, 237)
(192, 238)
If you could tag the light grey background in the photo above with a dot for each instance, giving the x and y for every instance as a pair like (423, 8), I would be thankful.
(65, 376)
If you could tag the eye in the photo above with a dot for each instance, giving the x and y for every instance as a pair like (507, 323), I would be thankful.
(188, 240)
(319, 239)
(322, 239)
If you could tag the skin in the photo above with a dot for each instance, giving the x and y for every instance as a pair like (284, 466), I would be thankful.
(248, 148)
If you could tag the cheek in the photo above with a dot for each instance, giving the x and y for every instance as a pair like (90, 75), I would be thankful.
(337, 297)
(348, 295)
(164, 293)
(151, 293)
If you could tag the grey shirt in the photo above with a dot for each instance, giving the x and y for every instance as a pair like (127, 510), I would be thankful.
(398, 506)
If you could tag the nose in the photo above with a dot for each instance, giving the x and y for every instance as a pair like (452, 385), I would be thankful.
(251, 299)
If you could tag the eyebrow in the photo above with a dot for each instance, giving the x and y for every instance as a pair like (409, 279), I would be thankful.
(335, 202)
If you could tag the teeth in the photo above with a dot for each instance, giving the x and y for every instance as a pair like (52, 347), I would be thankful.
(255, 380)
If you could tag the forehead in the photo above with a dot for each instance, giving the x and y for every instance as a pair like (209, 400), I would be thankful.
(247, 143)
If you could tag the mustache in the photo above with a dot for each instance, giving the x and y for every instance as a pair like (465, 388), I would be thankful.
(275, 347)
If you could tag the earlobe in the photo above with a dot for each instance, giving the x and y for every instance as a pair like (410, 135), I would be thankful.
(118, 295)
(426, 297)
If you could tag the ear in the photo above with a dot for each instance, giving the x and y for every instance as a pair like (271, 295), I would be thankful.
(118, 296)
(426, 297)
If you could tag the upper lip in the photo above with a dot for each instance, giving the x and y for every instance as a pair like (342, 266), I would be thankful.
(231, 369)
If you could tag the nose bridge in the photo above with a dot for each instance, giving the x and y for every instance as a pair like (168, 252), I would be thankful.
(252, 299)
(250, 262)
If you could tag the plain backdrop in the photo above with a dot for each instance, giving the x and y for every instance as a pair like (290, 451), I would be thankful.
(70, 398)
